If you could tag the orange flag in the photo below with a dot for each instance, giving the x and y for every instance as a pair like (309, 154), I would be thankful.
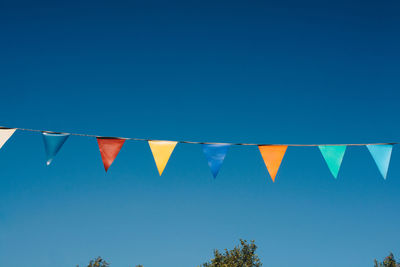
(109, 149)
(272, 156)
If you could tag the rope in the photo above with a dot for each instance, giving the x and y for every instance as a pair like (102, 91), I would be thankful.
(194, 142)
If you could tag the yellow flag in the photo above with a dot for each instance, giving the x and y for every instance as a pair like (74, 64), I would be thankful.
(162, 150)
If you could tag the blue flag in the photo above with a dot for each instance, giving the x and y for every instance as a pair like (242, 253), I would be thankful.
(381, 155)
(53, 143)
(215, 154)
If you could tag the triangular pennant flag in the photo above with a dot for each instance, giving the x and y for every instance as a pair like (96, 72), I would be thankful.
(5, 134)
(381, 155)
(272, 156)
(215, 154)
(333, 156)
(53, 143)
(109, 149)
(162, 150)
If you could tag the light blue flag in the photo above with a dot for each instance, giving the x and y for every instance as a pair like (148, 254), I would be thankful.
(215, 154)
(333, 156)
(381, 155)
(53, 143)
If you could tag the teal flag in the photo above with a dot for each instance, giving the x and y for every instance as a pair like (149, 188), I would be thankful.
(381, 155)
(53, 143)
(333, 156)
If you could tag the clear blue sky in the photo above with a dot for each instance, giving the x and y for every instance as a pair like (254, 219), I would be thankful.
(271, 72)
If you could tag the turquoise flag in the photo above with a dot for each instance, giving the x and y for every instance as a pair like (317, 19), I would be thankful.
(333, 156)
(381, 155)
(53, 143)
(215, 154)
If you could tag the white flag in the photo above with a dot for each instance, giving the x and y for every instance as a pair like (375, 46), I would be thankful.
(5, 134)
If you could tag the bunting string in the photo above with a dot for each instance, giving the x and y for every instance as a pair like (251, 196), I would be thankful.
(215, 153)
(195, 142)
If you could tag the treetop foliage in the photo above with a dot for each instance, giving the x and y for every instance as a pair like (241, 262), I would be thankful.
(98, 262)
(389, 261)
(243, 255)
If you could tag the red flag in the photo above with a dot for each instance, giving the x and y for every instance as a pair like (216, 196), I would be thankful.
(109, 149)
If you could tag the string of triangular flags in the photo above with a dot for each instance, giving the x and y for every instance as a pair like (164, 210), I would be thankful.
(215, 153)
